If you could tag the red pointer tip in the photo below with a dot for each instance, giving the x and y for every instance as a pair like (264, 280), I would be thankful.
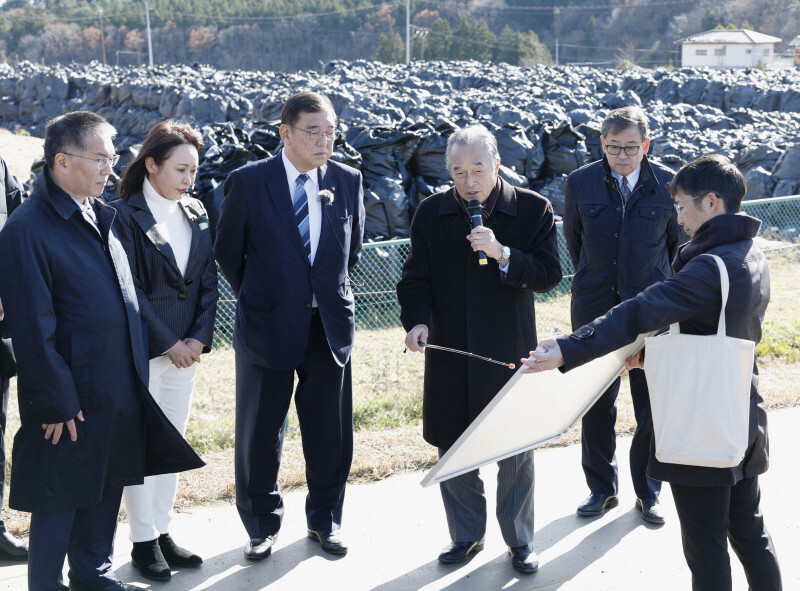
(511, 366)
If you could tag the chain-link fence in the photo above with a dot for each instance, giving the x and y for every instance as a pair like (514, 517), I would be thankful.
(376, 276)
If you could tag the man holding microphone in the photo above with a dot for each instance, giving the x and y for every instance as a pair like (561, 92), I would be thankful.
(449, 298)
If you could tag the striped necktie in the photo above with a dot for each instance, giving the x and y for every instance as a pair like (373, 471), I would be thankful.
(625, 189)
(300, 201)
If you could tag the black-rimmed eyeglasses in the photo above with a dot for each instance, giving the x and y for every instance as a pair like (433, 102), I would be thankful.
(101, 162)
(318, 135)
(629, 150)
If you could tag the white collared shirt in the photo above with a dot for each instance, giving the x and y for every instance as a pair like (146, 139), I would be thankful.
(314, 207)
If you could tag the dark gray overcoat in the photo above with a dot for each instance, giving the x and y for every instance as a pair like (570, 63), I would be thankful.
(471, 307)
(80, 346)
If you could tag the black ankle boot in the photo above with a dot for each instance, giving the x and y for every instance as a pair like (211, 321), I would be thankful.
(147, 557)
(177, 556)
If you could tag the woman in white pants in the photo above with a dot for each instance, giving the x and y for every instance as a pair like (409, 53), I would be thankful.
(167, 237)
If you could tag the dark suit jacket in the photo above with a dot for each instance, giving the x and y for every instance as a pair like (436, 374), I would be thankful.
(10, 189)
(615, 253)
(175, 306)
(259, 250)
(80, 346)
(471, 307)
(693, 298)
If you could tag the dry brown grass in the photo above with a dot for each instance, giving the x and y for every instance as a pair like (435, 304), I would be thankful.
(19, 152)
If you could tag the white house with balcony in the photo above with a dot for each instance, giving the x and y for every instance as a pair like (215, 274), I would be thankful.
(728, 48)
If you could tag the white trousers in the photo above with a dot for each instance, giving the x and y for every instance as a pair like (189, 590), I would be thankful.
(149, 505)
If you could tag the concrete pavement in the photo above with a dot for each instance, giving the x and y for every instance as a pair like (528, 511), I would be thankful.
(395, 530)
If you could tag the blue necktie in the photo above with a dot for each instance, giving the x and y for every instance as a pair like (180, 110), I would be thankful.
(625, 189)
(300, 201)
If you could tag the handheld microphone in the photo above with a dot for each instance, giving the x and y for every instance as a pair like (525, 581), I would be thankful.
(476, 217)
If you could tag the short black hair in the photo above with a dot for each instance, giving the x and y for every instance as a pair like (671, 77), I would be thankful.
(621, 119)
(711, 174)
(305, 102)
(68, 132)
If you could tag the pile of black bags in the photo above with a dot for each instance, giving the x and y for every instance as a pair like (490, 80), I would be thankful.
(396, 119)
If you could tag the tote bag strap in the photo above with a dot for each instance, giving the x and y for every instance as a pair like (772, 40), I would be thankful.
(725, 285)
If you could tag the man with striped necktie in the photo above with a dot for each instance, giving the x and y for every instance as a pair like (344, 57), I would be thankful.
(289, 235)
(622, 232)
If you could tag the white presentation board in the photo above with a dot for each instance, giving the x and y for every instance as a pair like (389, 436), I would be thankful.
(531, 409)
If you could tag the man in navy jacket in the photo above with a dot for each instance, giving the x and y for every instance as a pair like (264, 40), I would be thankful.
(289, 235)
(715, 505)
(621, 232)
(89, 427)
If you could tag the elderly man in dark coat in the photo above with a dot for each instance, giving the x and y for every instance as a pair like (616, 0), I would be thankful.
(449, 299)
(89, 425)
(715, 505)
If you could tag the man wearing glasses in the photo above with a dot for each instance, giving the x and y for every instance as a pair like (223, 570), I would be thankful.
(289, 235)
(88, 422)
(621, 231)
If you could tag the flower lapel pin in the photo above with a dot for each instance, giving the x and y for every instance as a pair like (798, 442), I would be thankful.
(202, 222)
(326, 196)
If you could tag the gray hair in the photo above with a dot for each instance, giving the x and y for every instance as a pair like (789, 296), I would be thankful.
(623, 118)
(474, 134)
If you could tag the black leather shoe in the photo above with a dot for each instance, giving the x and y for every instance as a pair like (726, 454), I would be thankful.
(460, 551)
(147, 558)
(524, 559)
(115, 586)
(177, 556)
(259, 548)
(596, 504)
(330, 541)
(10, 547)
(651, 510)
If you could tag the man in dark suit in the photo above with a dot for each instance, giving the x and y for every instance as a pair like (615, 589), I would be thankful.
(10, 547)
(449, 299)
(289, 234)
(622, 232)
(88, 424)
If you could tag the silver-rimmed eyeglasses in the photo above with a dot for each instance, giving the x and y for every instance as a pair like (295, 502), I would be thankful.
(101, 162)
(322, 133)
(679, 207)
(629, 150)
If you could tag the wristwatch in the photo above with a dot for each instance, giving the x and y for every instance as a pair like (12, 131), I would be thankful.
(503, 260)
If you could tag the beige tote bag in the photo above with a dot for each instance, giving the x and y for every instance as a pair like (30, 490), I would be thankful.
(700, 393)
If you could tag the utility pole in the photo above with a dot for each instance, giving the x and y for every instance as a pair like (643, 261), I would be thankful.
(149, 37)
(408, 32)
(102, 35)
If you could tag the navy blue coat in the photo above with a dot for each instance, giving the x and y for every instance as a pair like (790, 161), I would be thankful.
(617, 252)
(80, 346)
(259, 250)
(693, 298)
(175, 305)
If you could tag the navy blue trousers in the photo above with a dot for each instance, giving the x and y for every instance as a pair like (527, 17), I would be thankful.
(599, 441)
(324, 403)
(84, 536)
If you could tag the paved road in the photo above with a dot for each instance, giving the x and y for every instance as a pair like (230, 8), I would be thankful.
(395, 530)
